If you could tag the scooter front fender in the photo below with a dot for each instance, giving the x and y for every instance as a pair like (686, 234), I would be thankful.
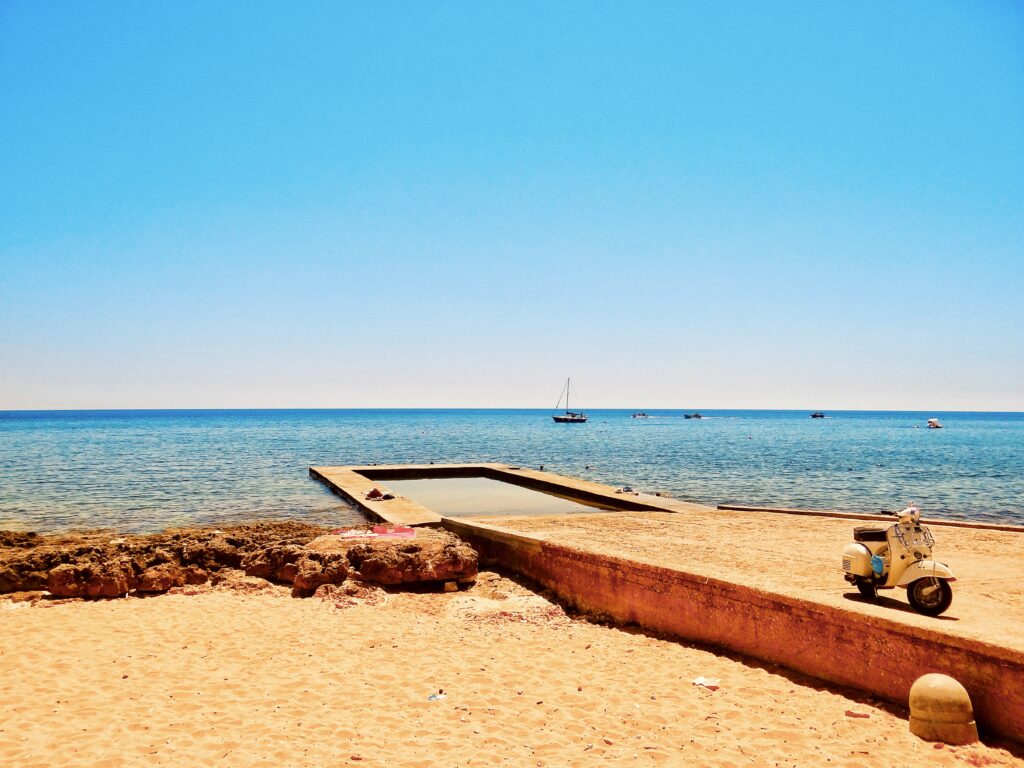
(925, 569)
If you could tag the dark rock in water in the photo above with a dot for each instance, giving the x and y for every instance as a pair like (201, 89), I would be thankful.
(433, 555)
(112, 578)
(160, 578)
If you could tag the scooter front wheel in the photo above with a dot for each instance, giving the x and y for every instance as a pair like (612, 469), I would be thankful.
(866, 587)
(930, 596)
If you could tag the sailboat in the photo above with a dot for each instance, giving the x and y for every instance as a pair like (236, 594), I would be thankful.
(569, 417)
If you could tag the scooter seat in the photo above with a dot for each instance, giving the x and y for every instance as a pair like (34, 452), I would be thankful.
(868, 533)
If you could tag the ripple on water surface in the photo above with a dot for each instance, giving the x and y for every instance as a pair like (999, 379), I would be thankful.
(148, 470)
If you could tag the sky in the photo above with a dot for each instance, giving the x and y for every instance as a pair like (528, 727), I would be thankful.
(680, 205)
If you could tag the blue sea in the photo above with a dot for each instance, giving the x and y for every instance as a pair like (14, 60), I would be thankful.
(147, 470)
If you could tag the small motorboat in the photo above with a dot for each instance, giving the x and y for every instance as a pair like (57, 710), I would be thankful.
(934, 424)
(640, 415)
(817, 415)
(692, 415)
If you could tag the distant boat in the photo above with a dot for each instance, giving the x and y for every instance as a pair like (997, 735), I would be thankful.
(934, 424)
(817, 415)
(569, 417)
(692, 415)
(640, 415)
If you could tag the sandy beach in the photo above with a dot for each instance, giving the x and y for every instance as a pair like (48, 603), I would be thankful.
(223, 677)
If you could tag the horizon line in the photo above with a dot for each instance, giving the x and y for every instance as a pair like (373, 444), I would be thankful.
(495, 408)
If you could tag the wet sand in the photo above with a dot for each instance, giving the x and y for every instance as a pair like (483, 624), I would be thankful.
(225, 678)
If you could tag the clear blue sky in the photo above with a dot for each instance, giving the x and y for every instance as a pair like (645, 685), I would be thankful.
(806, 205)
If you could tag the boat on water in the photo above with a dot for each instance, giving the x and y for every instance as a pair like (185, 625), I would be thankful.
(640, 415)
(692, 415)
(569, 417)
(934, 424)
(817, 415)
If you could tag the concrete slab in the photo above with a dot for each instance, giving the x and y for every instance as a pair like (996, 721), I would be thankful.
(353, 487)
(764, 583)
(548, 482)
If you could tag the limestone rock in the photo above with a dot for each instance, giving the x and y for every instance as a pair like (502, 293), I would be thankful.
(18, 539)
(237, 581)
(160, 578)
(213, 551)
(195, 575)
(318, 568)
(26, 559)
(432, 555)
(25, 568)
(102, 564)
(106, 579)
(351, 593)
(12, 581)
(277, 562)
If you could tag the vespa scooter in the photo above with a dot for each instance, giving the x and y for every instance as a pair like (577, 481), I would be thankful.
(899, 556)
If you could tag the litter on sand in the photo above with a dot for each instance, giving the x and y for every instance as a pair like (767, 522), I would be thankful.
(437, 696)
(377, 532)
(852, 713)
(711, 683)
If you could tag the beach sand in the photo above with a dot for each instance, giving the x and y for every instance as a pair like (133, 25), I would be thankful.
(235, 679)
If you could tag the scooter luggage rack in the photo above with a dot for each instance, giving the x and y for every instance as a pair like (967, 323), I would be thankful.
(921, 535)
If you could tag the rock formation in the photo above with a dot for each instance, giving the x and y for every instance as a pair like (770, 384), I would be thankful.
(243, 556)
(433, 555)
(33, 562)
(112, 578)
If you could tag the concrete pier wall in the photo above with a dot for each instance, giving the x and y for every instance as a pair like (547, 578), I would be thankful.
(881, 657)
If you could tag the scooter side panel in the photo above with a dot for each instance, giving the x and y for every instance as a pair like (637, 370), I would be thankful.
(857, 560)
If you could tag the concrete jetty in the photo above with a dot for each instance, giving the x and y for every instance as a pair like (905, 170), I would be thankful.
(762, 583)
(353, 483)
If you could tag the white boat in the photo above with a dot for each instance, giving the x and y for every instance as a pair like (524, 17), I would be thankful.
(934, 424)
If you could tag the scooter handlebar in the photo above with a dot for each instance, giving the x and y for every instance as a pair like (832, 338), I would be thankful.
(910, 509)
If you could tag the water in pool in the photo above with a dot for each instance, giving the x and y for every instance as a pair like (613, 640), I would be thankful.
(465, 496)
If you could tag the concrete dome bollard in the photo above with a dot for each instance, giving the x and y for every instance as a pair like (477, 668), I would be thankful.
(940, 710)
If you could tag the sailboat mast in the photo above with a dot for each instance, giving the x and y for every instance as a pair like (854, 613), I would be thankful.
(567, 395)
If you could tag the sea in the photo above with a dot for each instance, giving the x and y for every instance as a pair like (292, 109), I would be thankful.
(143, 471)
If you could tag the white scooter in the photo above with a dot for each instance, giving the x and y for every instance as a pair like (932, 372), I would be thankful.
(899, 556)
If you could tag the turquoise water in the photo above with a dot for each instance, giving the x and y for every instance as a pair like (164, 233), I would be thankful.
(145, 470)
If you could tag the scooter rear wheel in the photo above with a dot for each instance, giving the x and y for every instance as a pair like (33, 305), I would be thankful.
(930, 596)
(867, 588)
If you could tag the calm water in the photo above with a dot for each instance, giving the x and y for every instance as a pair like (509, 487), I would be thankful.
(461, 496)
(145, 470)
